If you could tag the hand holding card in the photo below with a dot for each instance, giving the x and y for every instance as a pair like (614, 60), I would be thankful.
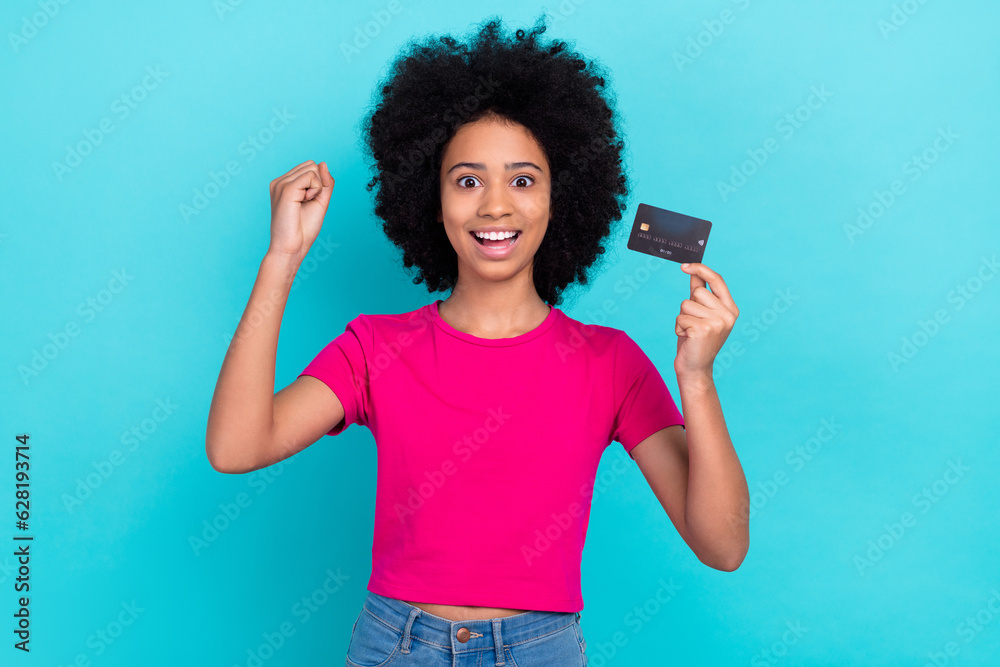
(674, 236)
(708, 316)
(704, 322)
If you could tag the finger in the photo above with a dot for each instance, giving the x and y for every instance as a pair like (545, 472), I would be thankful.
(322, 193)
(294, 171)
(685, 325)
(705, 297)
(300, 165)
(298, 171)
(304, 184)
(323, 197)
(696, 280)
(701, 273)
(696, 309)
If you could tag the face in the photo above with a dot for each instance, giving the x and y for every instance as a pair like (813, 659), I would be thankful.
(494, 175)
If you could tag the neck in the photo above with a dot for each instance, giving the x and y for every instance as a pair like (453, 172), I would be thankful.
(494, 312)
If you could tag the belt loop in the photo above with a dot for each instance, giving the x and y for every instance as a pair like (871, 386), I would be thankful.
(498, 641)
(406, 631)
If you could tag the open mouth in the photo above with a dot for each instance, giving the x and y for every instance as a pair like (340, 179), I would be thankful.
(499, 243)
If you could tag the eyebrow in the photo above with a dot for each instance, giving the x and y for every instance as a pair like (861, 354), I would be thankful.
(482, 167)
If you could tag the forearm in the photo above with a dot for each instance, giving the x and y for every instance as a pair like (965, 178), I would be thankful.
(242, 405)
(717, 487)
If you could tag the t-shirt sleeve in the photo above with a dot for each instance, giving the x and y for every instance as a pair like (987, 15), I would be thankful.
(343, 366)
(643, 404)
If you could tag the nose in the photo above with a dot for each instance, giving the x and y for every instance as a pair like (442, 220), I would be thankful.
(495, 202)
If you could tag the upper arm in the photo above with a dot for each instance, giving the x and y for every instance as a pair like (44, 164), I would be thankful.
(304, 411)
(663, 460)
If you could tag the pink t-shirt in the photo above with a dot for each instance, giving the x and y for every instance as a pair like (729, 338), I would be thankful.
(488, 449)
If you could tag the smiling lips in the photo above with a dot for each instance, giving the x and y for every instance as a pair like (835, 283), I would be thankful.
(498, 245)
(487, 236)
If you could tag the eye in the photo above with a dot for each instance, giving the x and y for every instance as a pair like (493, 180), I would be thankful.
(521, 181)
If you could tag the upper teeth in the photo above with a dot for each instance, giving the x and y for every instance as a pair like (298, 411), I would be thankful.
(493, 236)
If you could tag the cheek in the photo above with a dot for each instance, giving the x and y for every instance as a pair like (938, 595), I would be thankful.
(457, 208)
(536, 209)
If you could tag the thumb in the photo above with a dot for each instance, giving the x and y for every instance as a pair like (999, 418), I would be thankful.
(324, 195)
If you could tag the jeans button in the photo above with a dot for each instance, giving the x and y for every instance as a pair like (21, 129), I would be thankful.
(463, 635)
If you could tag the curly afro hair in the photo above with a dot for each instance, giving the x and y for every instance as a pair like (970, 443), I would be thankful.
(437, 85)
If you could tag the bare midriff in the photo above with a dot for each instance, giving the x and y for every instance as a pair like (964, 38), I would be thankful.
(462, 613)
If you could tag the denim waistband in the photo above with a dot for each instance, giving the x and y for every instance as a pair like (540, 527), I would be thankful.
(484, 634)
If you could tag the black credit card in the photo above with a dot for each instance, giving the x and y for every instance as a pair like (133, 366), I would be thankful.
(674, 236)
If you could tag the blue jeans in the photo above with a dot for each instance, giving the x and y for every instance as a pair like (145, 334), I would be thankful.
(392, 632)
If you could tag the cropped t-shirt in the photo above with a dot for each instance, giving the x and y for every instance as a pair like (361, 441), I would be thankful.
(488, 449)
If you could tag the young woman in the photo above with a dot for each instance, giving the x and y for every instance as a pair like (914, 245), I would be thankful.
(498, 174)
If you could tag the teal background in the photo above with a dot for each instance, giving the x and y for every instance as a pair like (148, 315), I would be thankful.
(826, 356)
